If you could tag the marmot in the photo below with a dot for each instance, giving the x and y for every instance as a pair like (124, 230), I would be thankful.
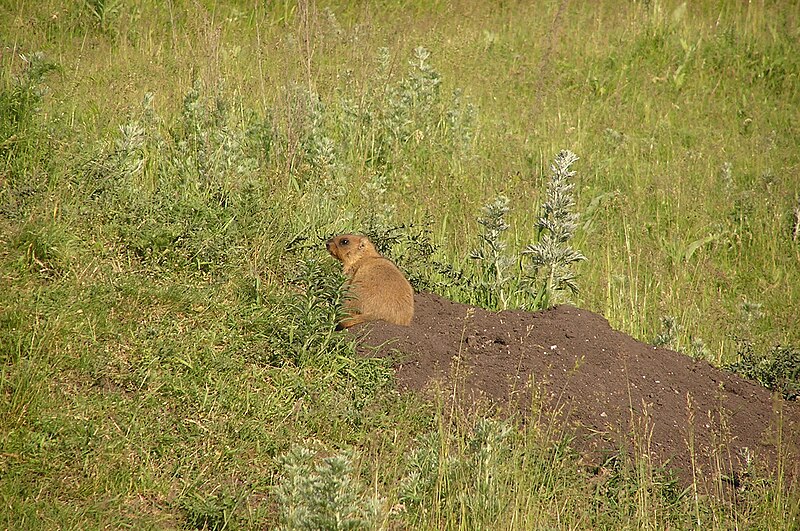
(378, 289)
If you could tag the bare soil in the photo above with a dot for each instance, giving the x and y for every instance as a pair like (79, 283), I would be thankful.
(613, 392)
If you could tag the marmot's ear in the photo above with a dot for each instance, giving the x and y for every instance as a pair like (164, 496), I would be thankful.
(362, 244)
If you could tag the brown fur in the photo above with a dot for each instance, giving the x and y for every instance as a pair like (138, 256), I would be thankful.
(378, 288)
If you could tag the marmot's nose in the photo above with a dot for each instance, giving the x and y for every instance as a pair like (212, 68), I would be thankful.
(328, 244)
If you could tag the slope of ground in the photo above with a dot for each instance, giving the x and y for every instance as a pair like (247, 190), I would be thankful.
(617, 392)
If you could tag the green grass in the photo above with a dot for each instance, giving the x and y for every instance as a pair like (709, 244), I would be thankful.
(167, 175)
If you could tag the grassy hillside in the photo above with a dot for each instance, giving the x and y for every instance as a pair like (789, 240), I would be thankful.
(168, 173)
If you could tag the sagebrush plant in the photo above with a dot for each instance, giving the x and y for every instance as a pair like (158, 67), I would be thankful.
(777, 369)
(546, 268)
(210, 140)
(551, 271)
(464, 473)
(698, 349)
(400, 124)
(496, 276)
(305, 141)
(462, 126)
(668, 335)
(214, 512)
(25, 143)
(175, 194)
(413, 100)
(323, 493)
(22, 95)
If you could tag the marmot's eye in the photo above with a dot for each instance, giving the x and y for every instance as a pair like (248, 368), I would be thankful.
(344, 241)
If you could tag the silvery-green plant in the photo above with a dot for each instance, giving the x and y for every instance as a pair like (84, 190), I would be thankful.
(412, 100)
(698, 349)
(20, 100)
(314, 135)
(422, 84)
(552, 258)
(384, 61)
(460, 120)
(390, 126)
(489, 447)
(491, 253)
(210, 142)
(323, 494)
(668, 336)
(129, 148)
(30, 86)
(750, 311)
(381, 211)
(726, 175)
(425, 469)
(319, 147)
(437, 471)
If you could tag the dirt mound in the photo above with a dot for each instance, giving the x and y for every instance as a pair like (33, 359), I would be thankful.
(615, 391)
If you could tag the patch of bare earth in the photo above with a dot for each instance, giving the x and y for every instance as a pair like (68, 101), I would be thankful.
(614, 391)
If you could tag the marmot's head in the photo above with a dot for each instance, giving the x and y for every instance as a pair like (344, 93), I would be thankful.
(350, 248)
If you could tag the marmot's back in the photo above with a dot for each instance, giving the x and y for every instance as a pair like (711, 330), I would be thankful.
(379, 289)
